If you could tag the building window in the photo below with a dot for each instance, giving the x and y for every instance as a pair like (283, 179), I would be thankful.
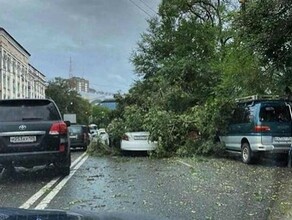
(8, 64)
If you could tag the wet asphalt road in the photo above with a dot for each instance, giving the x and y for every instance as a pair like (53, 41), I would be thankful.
(193, 188)
(14, 191)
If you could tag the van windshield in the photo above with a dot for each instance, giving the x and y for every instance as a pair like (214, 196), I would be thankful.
(275, 113)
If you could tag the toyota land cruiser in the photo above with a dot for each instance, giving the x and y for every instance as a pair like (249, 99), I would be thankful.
(33, 133)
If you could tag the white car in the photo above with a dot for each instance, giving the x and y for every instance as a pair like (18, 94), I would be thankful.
(137, 141)
(103, 136)
(92, 134)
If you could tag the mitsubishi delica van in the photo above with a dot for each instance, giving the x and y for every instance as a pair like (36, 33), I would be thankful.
(259, 124)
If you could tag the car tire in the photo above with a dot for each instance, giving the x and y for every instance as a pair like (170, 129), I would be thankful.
(125, 153)
(63, 167)
(246, 153)
(8, 171)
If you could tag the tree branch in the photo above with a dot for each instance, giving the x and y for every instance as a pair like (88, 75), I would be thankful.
(195, 13)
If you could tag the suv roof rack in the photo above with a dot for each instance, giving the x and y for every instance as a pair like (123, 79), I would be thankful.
(257, 97)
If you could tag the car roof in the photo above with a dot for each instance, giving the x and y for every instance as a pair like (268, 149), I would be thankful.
(78, 125)
(26, 99)
(255, 102)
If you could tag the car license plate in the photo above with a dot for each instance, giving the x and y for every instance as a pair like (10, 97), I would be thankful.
(73, 136)
(23, 139)
(282, 139)
(140, 138)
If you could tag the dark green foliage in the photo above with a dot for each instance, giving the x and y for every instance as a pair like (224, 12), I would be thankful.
(266, 27)
(201, 147)
(68, 100)
(97, 148)
(100, 116)
(195, 59)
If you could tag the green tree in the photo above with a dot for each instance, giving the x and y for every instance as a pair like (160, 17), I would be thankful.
(195, 59)
(68, 100)
(266, 28)
(100, 116)
(179, 60)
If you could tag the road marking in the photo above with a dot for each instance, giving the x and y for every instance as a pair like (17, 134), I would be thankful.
(184, 163)
(77, 160)
(44, 203)
(37, 195)
(48, 186)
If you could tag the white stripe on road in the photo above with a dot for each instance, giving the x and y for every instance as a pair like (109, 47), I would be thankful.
(44, 203)
(37, 195)
(44, 189)
(77, 160)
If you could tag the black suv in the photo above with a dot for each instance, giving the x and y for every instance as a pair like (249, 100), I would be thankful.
(79, 136)
(33, 133)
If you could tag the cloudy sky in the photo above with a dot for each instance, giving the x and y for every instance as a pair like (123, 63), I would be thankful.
(98, 35)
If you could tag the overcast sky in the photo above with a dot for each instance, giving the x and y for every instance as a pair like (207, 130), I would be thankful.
(99, 36)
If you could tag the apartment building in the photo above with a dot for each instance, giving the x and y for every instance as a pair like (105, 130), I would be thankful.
(18, 78)
(79, 84)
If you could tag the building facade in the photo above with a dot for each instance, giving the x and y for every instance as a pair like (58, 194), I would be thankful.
(18, 79)
(79, 84)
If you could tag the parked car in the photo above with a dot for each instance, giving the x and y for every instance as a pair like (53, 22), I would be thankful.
(260, 124)
(79, 136)
(137, 141)
(103, 136)
(33, 133)
(93, 126)
(93, 132)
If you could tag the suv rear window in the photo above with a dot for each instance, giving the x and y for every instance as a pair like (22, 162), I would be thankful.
(28, 110)
(275, 113)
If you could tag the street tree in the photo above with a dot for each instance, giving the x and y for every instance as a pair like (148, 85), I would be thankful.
(68, 100)
(179, 61)
(100, 116)
(196, 57)
(266, 28)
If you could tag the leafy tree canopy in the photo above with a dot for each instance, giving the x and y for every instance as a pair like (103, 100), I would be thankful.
(68, 100)
(196, 57)
(266, 27)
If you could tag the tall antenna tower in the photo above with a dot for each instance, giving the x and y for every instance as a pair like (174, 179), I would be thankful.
(70, 69)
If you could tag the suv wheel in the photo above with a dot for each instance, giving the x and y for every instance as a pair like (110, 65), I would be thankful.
(63, 167)
(246, 153)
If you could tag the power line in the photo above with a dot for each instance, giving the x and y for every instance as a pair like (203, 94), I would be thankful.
(148, 6)
(140, 8)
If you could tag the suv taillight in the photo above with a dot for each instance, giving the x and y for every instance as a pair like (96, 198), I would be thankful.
(58, 128)
(261, 128)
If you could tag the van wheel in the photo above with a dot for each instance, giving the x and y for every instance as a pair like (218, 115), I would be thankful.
(246, 153)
